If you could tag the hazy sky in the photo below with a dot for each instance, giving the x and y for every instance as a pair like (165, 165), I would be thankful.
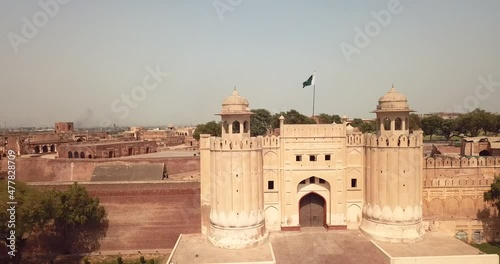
(85, 55)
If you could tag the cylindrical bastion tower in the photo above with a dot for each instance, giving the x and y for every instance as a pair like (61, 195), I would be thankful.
(236, 180)
(392, 208)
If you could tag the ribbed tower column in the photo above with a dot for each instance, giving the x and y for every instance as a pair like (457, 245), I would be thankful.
(393, 196)
(236, 179)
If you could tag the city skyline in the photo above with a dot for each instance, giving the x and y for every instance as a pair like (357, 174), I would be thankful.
(79, 63)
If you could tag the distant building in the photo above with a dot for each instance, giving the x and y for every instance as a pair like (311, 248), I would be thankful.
(64, 127)
(480, 146)
(171, 136)
(44, 142)
(443, 115)
(103, 150)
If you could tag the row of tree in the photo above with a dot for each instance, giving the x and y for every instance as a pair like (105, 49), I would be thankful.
(472, 124)
(71, 217)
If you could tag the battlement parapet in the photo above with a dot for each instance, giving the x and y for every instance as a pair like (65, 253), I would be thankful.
(464, 162)
(394, 141)
(270, 141)
(356, 139)
(224, 144)
(459, 183)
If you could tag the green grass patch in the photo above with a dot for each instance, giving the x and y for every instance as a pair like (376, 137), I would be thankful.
(488, 248)
(95, 259)
(126, 260)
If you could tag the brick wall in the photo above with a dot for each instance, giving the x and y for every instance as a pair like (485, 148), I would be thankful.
(142, 216)
(42, 170)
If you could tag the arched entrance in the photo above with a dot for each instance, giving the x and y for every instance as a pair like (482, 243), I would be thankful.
(484, 153)
(312, 210)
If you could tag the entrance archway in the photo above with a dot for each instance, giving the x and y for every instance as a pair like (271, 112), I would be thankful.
(484, 153)
(312, 210)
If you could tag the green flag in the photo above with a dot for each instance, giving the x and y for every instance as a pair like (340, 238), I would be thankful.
(309, 81)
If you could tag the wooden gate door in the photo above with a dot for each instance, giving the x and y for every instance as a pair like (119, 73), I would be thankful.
(312, 210)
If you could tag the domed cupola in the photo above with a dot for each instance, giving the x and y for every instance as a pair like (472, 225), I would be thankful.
(393, 114)
(393, 101)
(235, 117)
(235, 104)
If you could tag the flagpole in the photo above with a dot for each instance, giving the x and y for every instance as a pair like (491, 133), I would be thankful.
(314, 90)
(314, 97)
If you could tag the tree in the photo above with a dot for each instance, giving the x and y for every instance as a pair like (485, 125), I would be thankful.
(33, 211)
(213, 128)
(368, 127)
(275, 122)
(449, 128)
(260, 122)
(325, 118)
(472, 123)
(73, 214)
(497, 124)
(488, 121)
(415, 122)
(329, 119)
(291, 117)
(431, 125)
(78, 214)
(493, 195)
(357, 122)
(294, 117)
(336, 119)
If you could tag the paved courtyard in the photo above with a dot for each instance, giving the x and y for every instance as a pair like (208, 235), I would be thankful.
(316, 245)
(310, 246)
